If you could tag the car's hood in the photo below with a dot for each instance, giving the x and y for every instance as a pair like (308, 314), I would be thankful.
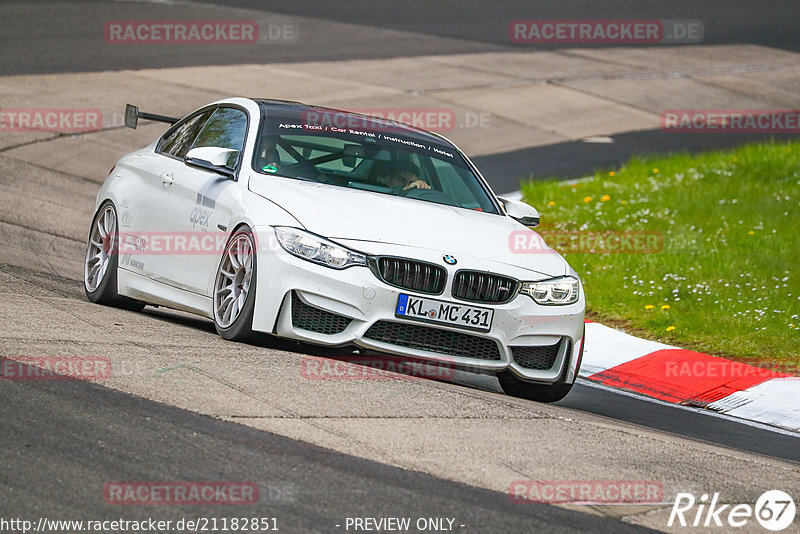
(355, 215)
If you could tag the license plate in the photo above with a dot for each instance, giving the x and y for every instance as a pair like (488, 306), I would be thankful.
(441, 312)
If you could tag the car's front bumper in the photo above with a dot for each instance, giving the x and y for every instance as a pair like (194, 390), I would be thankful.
(300, 300)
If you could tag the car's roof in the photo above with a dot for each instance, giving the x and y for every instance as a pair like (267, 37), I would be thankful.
(299, 111)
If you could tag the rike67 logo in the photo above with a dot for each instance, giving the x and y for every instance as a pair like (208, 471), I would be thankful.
(774, 510)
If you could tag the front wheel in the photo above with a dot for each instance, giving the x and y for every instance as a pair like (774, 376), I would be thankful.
(515, 387)
(100, 265)
(235, 287)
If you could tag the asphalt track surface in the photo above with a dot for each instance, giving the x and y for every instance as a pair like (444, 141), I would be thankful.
(44, 36)
(695, 424)
(487, 22)
(61, 441)
(64, 440)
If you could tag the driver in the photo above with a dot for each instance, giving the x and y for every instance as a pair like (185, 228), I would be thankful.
(402, 176)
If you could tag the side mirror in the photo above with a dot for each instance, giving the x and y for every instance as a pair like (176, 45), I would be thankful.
(521, 212)
(211, 158)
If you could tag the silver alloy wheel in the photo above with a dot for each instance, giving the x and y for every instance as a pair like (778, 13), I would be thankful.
(233, 280)
(100, 248)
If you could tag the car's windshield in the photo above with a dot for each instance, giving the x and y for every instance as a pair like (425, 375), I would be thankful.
(376, 156)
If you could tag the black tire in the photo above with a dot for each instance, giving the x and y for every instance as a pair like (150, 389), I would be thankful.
(515, 387)
(104, 290)
(241, 329)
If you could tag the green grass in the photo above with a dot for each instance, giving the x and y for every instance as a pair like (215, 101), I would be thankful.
(728, 268)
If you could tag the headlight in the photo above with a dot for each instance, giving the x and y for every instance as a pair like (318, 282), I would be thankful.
(553, 292)
(317, 249)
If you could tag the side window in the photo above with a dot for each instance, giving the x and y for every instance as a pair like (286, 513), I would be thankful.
(178, 141)
(225, 129)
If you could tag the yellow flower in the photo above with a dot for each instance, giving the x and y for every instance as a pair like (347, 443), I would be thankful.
(751, 232)
(623, 202)
(665, 307)
(604, 198)
(670, 328)
(551, 203)
(587, 199)
(649, 307)
(611, 173)
(655, 171)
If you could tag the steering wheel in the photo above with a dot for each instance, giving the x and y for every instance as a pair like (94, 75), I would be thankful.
(430, 195)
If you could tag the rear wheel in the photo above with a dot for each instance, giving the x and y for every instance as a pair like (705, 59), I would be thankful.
(100, 265)
(235, 287)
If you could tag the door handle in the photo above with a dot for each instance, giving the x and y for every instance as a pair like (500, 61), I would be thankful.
(166, 179)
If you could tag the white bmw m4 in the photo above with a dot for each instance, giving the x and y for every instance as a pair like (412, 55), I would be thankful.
(336, 229)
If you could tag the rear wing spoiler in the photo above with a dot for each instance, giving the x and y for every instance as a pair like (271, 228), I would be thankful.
(132, 116)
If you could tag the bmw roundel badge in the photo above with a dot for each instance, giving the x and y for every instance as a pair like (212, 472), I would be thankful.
(449, 260)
